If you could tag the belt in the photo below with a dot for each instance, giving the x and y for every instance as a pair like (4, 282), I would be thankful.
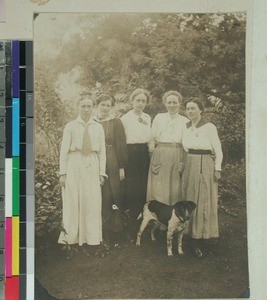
(137, 145)
(199, 151)
(169, 145)
(79, 150)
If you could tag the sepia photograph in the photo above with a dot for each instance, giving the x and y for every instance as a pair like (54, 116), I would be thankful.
(140, 155)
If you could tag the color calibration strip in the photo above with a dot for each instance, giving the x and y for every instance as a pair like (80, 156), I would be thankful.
(3, 224)
(17, 201)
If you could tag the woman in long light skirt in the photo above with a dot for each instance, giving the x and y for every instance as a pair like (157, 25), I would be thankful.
(201, 174)
(167, 152)
(82, 172)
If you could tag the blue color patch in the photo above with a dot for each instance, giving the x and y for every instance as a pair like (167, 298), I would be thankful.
(15, 127)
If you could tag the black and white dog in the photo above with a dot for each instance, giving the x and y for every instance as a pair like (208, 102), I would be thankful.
(174, 218)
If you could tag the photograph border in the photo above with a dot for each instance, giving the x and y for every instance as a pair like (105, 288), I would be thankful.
(21, 28)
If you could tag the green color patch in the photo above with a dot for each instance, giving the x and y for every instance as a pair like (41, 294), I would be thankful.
(15, 186)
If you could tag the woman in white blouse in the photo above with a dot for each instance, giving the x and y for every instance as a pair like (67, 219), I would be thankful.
(82, 172)
(138, 134)
(167, 152)
(201, 174)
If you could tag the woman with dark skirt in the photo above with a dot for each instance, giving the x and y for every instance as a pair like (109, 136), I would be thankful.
(138, 134)
(116, 158)
(201, 175)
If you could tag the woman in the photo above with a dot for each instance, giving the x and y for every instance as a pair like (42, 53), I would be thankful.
(138, 134)
(167, 152)
(82, 171)
(201, 174)
(116, 153)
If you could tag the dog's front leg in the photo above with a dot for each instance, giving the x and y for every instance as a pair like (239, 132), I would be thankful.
(169, 242)
(180, 241)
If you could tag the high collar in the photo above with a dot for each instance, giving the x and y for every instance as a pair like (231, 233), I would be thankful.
(200, 123)
(97, 119)
(176, 115)
(80, 120)
(134, 114)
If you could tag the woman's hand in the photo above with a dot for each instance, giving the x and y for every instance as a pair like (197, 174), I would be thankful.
(122, 174)
(180, 167)
(62, 180)
(217, 176)
(102, 180)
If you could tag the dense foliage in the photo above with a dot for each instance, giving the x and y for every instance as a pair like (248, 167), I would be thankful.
(196, 54)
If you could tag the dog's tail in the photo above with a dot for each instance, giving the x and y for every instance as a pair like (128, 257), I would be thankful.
(140, 216)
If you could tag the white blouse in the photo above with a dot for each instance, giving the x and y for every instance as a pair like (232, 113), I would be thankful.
(137, 128)
(73, 139)
(204, 137)
(167, 130)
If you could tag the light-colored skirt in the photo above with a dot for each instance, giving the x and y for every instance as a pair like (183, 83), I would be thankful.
(198, 185)
(164, 173)
(81, 195)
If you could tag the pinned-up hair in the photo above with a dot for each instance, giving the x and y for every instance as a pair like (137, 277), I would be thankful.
(198, 102)
(172, 93)
(139, 91)
(105, 97)
(84, 94)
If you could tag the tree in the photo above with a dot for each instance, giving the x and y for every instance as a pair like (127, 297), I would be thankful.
(199, 55)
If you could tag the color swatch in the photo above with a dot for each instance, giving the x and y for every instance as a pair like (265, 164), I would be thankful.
(16, 170)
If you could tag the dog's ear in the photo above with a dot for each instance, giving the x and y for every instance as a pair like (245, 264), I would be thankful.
(192, 205)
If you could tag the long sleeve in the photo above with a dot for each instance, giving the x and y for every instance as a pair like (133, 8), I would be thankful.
(65, 149)
(216, 145)
(120, 144)
(102, 152)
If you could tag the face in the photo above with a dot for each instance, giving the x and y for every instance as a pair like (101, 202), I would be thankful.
(172, 104)
(86, 107)
(193, 111)
(139, 102)
(184, 209)
(104, 107)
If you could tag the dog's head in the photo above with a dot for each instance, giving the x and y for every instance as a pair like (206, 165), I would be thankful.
(184, 209)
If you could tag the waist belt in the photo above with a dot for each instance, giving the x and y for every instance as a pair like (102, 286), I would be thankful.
(199, 151)
(137, 146)
(169, 145)
(79, 150)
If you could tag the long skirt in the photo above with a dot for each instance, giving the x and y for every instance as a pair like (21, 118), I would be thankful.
(111, 190)
(81, 195)
(164, 173)
(135, 185)
(199, 186)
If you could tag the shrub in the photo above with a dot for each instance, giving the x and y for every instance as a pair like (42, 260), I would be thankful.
(48, 203)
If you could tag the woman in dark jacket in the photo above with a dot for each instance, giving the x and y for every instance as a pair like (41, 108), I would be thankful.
(116, 154)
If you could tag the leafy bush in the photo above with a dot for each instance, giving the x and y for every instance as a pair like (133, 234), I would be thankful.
(48, 203)
(233, 183)
(232, 188)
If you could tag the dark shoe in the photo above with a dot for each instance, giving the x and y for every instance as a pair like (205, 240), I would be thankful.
(102, 250)
(70, 251)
